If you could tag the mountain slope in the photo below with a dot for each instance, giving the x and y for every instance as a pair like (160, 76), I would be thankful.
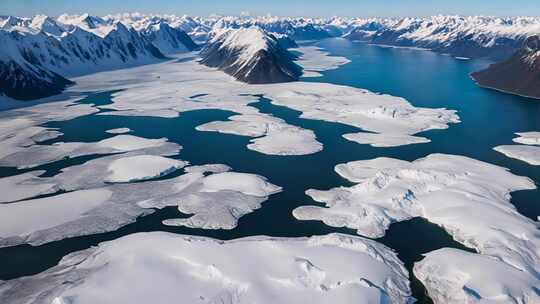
(250, 55)
(472, 37)
(168, 39)
(39, 54)
(520, 74)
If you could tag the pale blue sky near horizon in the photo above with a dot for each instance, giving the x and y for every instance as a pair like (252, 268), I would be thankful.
(315, 8)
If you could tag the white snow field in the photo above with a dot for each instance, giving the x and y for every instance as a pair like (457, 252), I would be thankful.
(214, 201)
(119, 131)
(315, 60)
(273, 135)
(156, 267)
(141, 167)
(456, 276)
(529, 152)
(468, 198)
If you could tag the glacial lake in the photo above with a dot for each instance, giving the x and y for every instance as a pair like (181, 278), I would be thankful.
(424, 78)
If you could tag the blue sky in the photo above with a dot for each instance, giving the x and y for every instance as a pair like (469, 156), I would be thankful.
(276, 7)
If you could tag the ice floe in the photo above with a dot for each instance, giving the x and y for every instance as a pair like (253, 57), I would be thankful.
(385, 140)
(529, 152)
(214, 201)
(210, 168)
(96, 172)
(20, 128)
(141, 167)
(274, 135)
(38, 218)
(468, 198)
(118, 131)
(37, 155)
(528, 138)
(453, 276)
(22, 186)
(315, 60)
(157, 267)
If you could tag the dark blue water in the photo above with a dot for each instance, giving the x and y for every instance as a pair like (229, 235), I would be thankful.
(425, 79)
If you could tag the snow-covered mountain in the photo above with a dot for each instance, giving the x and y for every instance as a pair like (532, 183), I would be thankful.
(471, 37)
(295, 28)
(520, 74)
(250, 55)
(38, 54)
(197, 28)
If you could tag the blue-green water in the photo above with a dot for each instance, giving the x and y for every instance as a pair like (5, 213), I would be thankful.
(424, 78)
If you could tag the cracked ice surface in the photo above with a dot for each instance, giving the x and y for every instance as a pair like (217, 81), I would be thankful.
(215, 201)
(468, 198)
(163, 266)
(20, 128)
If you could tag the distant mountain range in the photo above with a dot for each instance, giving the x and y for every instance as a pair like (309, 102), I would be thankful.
(251, 55)
(520, 74)
(470, 37)
(40, 54)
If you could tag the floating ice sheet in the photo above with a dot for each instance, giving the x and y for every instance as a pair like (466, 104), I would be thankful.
(157, 267)
(37, 155)
(453, 276)
(314, 60)
(214, 201)
(468, 198)
(274, 136)
(119, 131)
(385, 140)
(528, 154)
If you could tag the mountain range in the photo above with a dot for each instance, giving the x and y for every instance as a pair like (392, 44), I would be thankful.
(40, 54)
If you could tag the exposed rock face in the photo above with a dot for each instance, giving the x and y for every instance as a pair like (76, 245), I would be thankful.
(520, 74)
(251, 55)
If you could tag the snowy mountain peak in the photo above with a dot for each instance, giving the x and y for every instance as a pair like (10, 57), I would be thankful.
(251, 55)
(249, 40)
